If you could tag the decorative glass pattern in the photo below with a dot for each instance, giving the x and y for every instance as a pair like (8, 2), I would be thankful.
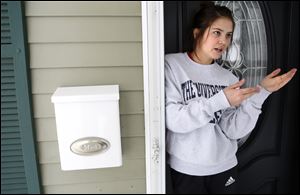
(247, 56)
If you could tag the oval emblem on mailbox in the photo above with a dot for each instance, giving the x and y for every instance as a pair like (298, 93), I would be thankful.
(89, 145)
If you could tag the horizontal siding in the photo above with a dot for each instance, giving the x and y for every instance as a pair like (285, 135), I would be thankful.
(83, 8)
(129, 150)
(83, 43)
(84, 29)
(134, 186)
(131, 169)
(129, 78)
(67, 55)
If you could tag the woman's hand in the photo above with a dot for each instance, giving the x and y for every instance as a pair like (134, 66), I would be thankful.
(273, 83)
(235, 95)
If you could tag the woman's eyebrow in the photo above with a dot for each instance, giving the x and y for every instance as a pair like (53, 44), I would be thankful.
(219, 29)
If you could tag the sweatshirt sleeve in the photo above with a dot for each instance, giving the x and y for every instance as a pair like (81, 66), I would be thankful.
(237, 122)
(184, 117)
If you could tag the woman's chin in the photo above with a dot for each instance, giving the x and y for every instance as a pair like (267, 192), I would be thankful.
(216, 56)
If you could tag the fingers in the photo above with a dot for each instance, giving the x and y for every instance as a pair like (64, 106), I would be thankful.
(237, 84)
(274, 73)
(249, 90)
(285, 78)
(289, 74)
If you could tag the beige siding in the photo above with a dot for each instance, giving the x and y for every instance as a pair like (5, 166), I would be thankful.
(131, 169)
(83, 29)
(129, 78)
(83, 8)
(88, 43)
(123, 187)
(85, 55)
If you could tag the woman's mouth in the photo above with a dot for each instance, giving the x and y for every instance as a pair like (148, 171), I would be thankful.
(218, 50)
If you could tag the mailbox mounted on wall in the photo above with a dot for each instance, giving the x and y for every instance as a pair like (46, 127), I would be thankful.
(88, 126)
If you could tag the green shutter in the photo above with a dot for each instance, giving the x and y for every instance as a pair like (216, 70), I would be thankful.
(19, 173)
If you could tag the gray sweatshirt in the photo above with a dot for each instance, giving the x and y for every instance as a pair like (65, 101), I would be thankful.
(202, 127)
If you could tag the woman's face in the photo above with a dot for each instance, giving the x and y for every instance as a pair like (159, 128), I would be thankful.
(215, 40)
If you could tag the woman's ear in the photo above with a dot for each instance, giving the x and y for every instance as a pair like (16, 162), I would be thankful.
(196, 32)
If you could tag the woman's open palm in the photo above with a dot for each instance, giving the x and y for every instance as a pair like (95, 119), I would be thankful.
(272, 82)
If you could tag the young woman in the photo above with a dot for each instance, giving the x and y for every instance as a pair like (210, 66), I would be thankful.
(207, 109)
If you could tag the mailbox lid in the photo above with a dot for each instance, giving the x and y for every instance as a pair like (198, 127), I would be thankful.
(86, 93)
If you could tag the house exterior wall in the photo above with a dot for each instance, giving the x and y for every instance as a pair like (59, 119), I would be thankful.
(88, 43)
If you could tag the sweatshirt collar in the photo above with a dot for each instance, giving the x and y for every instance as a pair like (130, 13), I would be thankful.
(209, 66)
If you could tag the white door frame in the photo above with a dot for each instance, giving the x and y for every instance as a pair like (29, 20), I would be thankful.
(154, 98)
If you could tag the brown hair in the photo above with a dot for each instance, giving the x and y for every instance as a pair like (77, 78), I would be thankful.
(204, 18)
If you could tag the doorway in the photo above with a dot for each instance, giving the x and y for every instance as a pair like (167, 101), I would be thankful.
(266, 37)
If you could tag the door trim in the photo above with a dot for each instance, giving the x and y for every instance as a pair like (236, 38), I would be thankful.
(154, 99)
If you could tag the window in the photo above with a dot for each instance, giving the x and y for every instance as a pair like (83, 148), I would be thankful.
(247, 56)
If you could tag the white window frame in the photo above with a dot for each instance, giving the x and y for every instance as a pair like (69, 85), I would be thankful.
(154, 98)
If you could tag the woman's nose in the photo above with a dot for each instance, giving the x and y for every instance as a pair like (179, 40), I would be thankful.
(222, 40)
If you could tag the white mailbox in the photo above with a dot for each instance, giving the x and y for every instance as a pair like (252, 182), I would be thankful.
(88, 126)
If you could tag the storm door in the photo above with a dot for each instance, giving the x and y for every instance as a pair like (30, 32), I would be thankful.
(266, 37)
